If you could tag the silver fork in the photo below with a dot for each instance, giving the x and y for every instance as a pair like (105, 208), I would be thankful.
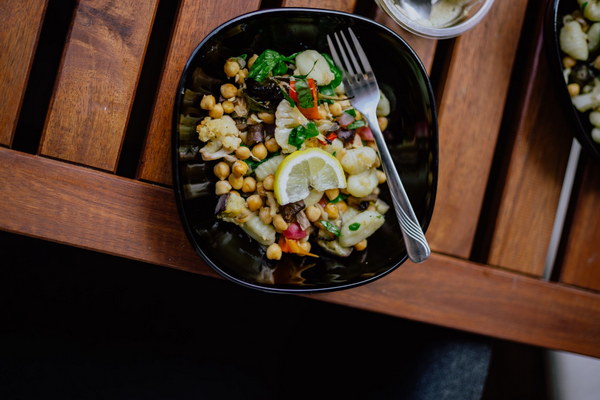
(361, 86)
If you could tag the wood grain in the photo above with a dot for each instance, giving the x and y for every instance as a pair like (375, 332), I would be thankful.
(97, 80)
(340, 5)
(195, 20)
(82, 207)
(86, 208)
(21, 22)
(459, 294)
(581, 265)
(425, 48)
(534, 176)
(470, 113)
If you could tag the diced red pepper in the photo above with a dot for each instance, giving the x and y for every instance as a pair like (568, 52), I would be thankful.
(331, 136)
(312, 112)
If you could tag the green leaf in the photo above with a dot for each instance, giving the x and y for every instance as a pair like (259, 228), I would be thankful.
(329, 89)
(305, 97)
(266, 62)
(354, 226)
(351, 111)
(330, 227)
(356, 125)
(300, 133)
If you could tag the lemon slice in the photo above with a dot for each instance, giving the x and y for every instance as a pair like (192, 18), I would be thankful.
(304, 170)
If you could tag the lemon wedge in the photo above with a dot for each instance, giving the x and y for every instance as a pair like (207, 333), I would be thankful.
(304, 170)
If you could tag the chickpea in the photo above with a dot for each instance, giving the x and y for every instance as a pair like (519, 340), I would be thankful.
(266, 117)
(304, 246)
(279, 223)
(260, 189)
(332, 211)
(231, 68)
(360, 246)
(312, 213)
(332, 193)
(596, 62)
(249, 184)
(383, 123)
(335, 109)
(222, 187)
(265, 215)
(254, 202)
(342, 206)
(239, 168)
(272, 145)
(569, 62)
(269, 182)
(242, 152)
(241, 76)
(573, 89)
(260, 151)
(228, 107)
(228, 90)
(252, 59)
(221, 170)
(236, 181)
(207, 102)
(381, 177)
(274, 252)
(216, 112)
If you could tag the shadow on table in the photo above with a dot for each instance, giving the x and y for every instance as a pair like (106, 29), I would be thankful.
(78, 324)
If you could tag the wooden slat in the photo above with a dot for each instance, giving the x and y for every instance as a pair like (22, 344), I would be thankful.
(97, 80)
(340, 5)
(534, 176)
(195, 20)
(21, 22)
(425, 48)
(581, 266)
(470, 112)
(82, 207)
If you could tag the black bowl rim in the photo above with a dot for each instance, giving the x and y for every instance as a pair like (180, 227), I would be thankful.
(179, 199)
(554, 53)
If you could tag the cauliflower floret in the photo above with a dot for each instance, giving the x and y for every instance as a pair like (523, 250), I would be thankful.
(218, 128)
(313, 64)
(222, 135)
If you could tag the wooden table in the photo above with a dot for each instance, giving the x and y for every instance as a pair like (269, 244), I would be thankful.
(86, 93)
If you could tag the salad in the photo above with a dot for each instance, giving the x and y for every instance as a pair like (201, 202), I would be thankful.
(579, 40)
(297, 165)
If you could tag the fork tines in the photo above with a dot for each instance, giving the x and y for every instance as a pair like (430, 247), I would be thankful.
(350, 63)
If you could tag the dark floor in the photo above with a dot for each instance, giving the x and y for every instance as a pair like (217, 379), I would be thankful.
(77, 324)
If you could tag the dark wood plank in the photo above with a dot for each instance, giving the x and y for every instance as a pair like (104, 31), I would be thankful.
(340, 5)
(97, 80)
(21, 22)
(195, 20)
(470, 113)
(87, 208)
(534, 176)
(581, 265)
(425, 48)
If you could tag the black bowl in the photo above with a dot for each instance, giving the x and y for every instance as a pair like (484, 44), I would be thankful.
(581, 126)
(413, 143)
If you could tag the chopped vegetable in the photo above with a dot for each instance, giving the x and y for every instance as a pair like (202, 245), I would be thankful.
(304, 94)
(330, 227)
(300, 133)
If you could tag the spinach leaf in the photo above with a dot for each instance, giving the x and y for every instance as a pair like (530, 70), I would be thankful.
(300, 133)
(305, 97)
(269, 62)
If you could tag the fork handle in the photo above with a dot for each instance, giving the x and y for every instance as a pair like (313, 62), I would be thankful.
(416, 245)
